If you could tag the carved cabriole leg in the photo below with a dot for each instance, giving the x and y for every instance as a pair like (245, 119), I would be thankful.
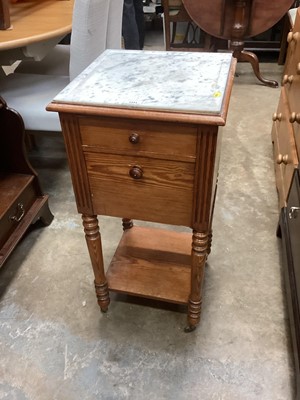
(127, 223)
(93, 240)
(253, 60)
(199, 255)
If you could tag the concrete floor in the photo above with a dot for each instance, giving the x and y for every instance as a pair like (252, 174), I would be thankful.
(55, 343)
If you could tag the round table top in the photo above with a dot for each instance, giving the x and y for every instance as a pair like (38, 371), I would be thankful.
(218, 20)
(35, 21)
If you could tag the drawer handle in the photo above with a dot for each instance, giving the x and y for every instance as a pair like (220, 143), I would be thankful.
(134, 138)
(282, 159)
(287, 79)
(136, 172)
(277, 117)
(293, 212)
(295, 117)
(19, 214)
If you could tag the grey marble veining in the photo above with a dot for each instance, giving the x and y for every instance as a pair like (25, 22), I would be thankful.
(154, 80)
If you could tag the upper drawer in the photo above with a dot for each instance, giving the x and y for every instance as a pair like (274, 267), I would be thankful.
(293, 53)
(174, 141)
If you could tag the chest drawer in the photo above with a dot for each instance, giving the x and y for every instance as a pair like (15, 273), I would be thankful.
(124, 136)
(285, 154)
(141, 188)
(19, 196)
(293, 53)
(292, 90)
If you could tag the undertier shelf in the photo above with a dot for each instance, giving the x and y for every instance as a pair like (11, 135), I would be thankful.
(152, 263)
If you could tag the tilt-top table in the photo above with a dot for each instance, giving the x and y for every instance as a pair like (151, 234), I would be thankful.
(141, 130)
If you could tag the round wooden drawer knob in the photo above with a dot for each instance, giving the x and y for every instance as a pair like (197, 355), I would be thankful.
(277, 117)
(295, 117)
(282, 159)
(134, 138)
(287, 79)
(293, 37)
(136, 172)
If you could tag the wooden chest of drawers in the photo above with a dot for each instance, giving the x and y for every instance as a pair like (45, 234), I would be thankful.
(147, 163)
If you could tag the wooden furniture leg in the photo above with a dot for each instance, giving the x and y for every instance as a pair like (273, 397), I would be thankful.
(93, 240)
(44, 214)
(243, 55)
(199, 255)
(127, 223)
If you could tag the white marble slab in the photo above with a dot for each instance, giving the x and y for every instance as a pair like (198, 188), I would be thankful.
(152, 80)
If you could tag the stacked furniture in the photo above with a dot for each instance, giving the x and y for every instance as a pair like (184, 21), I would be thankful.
(286, 140)
(22, 202)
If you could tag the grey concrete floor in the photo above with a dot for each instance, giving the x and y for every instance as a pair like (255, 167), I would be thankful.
(55, 343)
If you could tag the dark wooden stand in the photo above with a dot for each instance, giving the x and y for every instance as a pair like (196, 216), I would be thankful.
(21, 199)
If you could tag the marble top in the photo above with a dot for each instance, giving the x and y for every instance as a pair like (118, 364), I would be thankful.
(186, 82)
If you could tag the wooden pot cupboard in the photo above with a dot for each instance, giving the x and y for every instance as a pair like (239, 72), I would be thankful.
(22, 201)
(286, 140)
(148, 149)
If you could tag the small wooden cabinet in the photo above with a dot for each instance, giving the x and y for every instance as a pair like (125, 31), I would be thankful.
(147, 150)
(286, 141)
(21, 200)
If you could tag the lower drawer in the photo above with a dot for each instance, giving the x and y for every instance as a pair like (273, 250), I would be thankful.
(141, 188)
(17, 194)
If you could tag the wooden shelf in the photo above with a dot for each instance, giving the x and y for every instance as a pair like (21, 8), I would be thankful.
(162, 274)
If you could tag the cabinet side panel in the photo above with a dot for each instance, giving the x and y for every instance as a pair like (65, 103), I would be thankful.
(71, 133)
(205, 176)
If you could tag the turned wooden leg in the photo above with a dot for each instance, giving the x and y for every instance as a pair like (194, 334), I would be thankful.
(127, 223)
(243, 55)
(93, 240)
(199, 255)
